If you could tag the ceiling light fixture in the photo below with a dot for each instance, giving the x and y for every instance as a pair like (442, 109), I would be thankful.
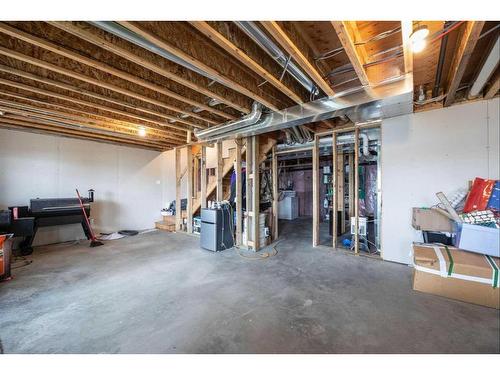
(142, 131)
(417, 38)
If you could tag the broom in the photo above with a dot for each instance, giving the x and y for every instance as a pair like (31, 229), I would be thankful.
(93, 240)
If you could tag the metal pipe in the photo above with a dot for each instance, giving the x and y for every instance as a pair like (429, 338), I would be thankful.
(233, 125)
(124, 33)
(259, 37)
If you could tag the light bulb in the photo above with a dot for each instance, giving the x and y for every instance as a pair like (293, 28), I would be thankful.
(142, 131)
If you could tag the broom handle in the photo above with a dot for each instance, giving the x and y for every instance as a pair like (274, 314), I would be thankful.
(92, 236)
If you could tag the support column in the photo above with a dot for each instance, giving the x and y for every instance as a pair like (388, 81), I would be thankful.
(335, 191)
(203, 177)
(218, 172)
(178, 213)
(315, 173)
(255, 192)
(189, 193)
(248, 189)
(356, 190)
(239, 192)
(274, 172)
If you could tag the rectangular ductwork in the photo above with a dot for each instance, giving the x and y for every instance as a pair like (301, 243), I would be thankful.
(389, 99)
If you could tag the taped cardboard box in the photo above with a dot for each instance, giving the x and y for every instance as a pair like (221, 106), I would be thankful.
(430, 220)
(457, 274)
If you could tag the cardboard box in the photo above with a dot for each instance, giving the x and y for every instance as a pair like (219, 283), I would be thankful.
(430, 220)
(479, 239)
(456, 274)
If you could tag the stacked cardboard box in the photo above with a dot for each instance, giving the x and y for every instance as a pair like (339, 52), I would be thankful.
(456, 274)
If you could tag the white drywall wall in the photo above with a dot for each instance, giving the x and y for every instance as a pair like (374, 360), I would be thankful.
(127, 180)
(428, 152)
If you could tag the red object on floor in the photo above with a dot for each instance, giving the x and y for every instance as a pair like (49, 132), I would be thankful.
(479, 195)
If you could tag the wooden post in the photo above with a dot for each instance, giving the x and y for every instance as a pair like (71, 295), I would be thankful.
(255, 192)
(248, 182)
(274, 167)
(188, 136)
(340, 189)
(315, 175)
(335, 191)
(356, 191)
(189, 205)
(219, 172)
(178, 213)
(351, 187)
(203, 177)
(239, 192)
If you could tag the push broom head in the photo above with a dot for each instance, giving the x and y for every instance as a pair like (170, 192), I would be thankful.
(95, 243)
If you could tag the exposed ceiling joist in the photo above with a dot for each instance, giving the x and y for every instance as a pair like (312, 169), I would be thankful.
(74, 123)
(166, 133)
(152, 38)
(122, 52)
(28, 125)
(406, 30)
(466, 44)
(64, 86)
(241, 56)
(39, 42)
(273, 28)
(346, 32)
(104, 123)
(492, 90)
(100, 83)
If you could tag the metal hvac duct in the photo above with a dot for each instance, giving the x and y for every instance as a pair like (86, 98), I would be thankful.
(259, 37)
(390, 99)
(134, 38)
(246, 120)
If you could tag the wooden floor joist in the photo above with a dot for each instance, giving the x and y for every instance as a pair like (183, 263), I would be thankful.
(273, 28)
(345, 32)
(52, 127)
(103, 43)
(467, 42)
(93, 95)
(115, 122)
(241, 56)
(57, 131)
(22, 108)
(69, 73)
(11, 31)
(152, 38)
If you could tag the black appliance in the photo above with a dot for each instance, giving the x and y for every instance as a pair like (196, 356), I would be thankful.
(216, 228)
(24, 221)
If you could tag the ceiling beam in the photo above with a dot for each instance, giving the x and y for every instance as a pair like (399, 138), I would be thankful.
(42, 43)
(466, 43)
(91, 94)
(141, 61)
(492, 90)
(66, 122)
(222, 79)
(406, 31)
(55, 68)
(273, 28)
(242, 57)
(131, 129)
(166, 133)
(15, 124)
(346, 32)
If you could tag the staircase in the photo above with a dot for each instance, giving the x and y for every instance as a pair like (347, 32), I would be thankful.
(265, 145)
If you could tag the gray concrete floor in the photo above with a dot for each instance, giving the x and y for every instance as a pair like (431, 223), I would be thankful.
(160, 293)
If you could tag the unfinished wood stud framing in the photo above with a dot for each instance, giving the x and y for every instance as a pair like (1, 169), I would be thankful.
(239, 193)
(315, 180)
(178, 177)
(274, 172)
